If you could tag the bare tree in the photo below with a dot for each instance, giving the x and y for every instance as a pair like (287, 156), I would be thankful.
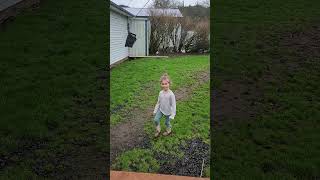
(187, 25)
(174, 32)
(189, 33)
(164, 30)
(166, 3)
(158, 32)
(162, 3)
(206, 3)
(201, 35)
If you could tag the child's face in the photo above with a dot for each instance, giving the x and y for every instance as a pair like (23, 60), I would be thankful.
(165, 85)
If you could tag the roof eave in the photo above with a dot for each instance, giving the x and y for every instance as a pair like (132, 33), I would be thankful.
(116, 7)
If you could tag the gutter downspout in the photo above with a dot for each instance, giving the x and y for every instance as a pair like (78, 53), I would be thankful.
(146, 36)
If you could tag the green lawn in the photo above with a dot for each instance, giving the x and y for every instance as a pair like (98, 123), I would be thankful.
(49, 62)
(142, 83)
(132, 80)
(282, 141)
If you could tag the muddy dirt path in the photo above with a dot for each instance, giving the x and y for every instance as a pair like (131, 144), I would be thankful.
(130, 133)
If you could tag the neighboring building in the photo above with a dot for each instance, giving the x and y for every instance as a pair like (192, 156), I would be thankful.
(147, 12)
(122, 22)
(142, 28)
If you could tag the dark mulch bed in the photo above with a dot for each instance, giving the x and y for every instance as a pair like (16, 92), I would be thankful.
(191, 164)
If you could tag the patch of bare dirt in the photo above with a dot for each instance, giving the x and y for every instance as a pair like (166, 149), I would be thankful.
(130, 133)
(241, 99)
(304, 46)
(234, 100)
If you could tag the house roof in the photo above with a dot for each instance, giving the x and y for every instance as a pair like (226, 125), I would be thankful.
(4, 4)
(120, 9)
(146, 12)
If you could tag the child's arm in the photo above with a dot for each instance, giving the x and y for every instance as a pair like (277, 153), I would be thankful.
(157, 105)
(173, 106)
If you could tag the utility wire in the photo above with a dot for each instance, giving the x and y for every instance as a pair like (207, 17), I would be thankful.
(129, 2)
(141, 8)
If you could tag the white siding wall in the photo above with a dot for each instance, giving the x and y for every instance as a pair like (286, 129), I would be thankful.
(118, 36)
(138, 27)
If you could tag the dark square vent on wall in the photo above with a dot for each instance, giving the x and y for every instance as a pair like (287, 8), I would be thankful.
(131, 38)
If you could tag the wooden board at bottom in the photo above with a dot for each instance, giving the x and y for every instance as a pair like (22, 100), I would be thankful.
(123, 175)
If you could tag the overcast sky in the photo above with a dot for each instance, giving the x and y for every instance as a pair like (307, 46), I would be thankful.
(141, 3)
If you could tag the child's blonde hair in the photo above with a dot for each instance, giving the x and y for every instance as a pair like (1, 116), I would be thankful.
(165, 76)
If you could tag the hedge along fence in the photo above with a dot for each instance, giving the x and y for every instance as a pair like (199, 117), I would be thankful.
(184, 34)
(164, 32)
(197, 35)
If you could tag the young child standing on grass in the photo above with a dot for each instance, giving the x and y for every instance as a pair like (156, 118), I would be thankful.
(166, 106)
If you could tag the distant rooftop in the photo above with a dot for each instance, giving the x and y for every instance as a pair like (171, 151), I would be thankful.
(145, 12)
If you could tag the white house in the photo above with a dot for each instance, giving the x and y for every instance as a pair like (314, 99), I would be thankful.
(122, 22)
(134, 20)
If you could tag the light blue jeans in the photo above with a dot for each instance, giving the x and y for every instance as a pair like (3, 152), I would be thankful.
(158, 116)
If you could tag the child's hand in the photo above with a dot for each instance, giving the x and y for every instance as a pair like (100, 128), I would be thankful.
(171, 117)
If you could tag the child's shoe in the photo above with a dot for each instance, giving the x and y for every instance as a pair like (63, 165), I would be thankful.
(167, 132)
(158, 129)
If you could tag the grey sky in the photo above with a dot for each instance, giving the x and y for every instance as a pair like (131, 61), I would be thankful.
(141, 3)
